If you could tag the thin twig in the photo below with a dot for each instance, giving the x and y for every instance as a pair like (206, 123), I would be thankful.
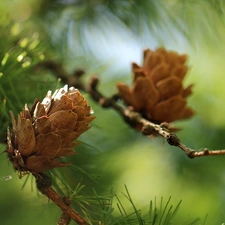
(64, 218)
(130, 117)
(44, 185)
(134, 118)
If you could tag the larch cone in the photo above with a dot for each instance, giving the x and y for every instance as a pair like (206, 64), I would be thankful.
(40, 137)
(157, 90)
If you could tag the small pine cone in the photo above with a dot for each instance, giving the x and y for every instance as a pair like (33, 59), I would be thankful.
(157, 92)
(41, 136)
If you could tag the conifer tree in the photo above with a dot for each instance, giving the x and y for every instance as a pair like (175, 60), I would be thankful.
(93, 133)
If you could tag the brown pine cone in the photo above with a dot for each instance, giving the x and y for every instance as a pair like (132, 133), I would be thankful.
(41, 136)
(157, 91)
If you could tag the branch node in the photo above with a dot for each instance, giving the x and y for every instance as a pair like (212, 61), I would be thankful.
(105, 102)
(78, 73)
(191, 154)
(172, 139)
(93, 82)
(115, 97)
(147, 130)
(206, 151)
(43, 181)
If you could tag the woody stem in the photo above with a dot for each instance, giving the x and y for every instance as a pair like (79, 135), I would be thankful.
(134, 118)
(44, 185)
(130, 117)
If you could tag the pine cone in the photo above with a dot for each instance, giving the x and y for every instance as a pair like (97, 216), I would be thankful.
(157, 92)
(41, 136)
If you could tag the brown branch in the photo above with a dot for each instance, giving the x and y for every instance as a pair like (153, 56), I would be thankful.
(44, 185)
(131, 117)
(64, 218)
(134, 118)
(173, 140)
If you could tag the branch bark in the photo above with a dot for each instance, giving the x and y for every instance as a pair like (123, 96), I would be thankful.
(44, 185)
(130, 117)
(134, 118)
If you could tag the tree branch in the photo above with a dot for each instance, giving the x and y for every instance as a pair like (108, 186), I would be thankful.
(132, 118)
(44, 185)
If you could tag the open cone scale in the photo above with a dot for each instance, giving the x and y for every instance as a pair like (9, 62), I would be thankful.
(40, 137)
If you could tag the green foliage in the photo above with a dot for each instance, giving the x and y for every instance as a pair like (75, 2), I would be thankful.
(110, 210)
(19, 82)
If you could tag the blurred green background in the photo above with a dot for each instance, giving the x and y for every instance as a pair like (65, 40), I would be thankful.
(104, 37)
